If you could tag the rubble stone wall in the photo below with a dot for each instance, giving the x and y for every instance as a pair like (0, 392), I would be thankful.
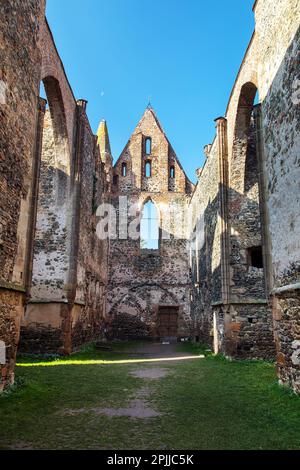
(20, 68)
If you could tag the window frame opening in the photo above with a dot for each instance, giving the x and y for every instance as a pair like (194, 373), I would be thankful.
(148, 169)
(149, 228)
(124, 169)
(148, 146)
(172, 172)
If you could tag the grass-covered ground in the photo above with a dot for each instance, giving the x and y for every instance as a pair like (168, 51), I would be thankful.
(206, 403)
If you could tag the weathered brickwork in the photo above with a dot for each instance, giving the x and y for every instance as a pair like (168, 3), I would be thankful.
(92, 266)
(19, 82)
(53, 272)
(258, 201)
(69, 284)
(142, 281)
(205, 253)
(281, 140)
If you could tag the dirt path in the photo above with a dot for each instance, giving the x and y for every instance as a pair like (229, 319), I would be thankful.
(155, 356)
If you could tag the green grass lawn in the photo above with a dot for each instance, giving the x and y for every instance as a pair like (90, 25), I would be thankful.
(209, 403)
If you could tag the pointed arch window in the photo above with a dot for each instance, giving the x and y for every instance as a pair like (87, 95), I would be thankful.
(172, 172)
(149, 228)
(148, 169)
(124, 169)
(148, 146)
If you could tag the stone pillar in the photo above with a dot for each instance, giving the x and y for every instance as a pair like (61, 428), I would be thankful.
(221, 125)
(76, 192)
(263, 184)
(222, 316)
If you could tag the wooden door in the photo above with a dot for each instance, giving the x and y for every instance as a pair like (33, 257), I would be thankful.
(168, 322)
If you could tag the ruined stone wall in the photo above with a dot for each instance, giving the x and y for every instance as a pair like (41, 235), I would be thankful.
(92, 269)
(205, 246)
(54, 211)
(51, 248)
(67, 293)
(277, 54)
(19, 83)
(244, 212)
(281, 141)
(263, 207)
(142, 280)
(46, 323)
(52, 67)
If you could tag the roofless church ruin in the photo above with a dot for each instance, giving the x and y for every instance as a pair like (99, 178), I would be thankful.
(90, 248)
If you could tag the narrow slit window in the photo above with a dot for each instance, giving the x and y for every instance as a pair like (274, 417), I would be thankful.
(124, 169)
(255, 257)
(172, 172)
(148, 169)
(148, 146)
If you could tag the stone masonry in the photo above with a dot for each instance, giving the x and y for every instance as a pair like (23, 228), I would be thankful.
(53, 267)
(20, 68)
(143, 281)
(246, 204)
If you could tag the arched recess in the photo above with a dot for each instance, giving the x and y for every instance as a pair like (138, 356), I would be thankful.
(246, 201)
(140, 299)
(150, 226)
(58, 123)
(52, 205)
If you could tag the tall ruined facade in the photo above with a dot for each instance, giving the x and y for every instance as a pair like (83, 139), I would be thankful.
(53, 267)
(150, 283)
(223, 266)
(20, 68)
(245, 244)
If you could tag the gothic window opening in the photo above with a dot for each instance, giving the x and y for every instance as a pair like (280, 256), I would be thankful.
(124, 169)
(149, 228)
(148, 146)
(148, 169)
(172, 172)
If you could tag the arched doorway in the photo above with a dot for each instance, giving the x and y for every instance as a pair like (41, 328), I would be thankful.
(249, 333)
(245, 202)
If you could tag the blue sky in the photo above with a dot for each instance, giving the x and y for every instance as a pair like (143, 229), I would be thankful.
(185, 54)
